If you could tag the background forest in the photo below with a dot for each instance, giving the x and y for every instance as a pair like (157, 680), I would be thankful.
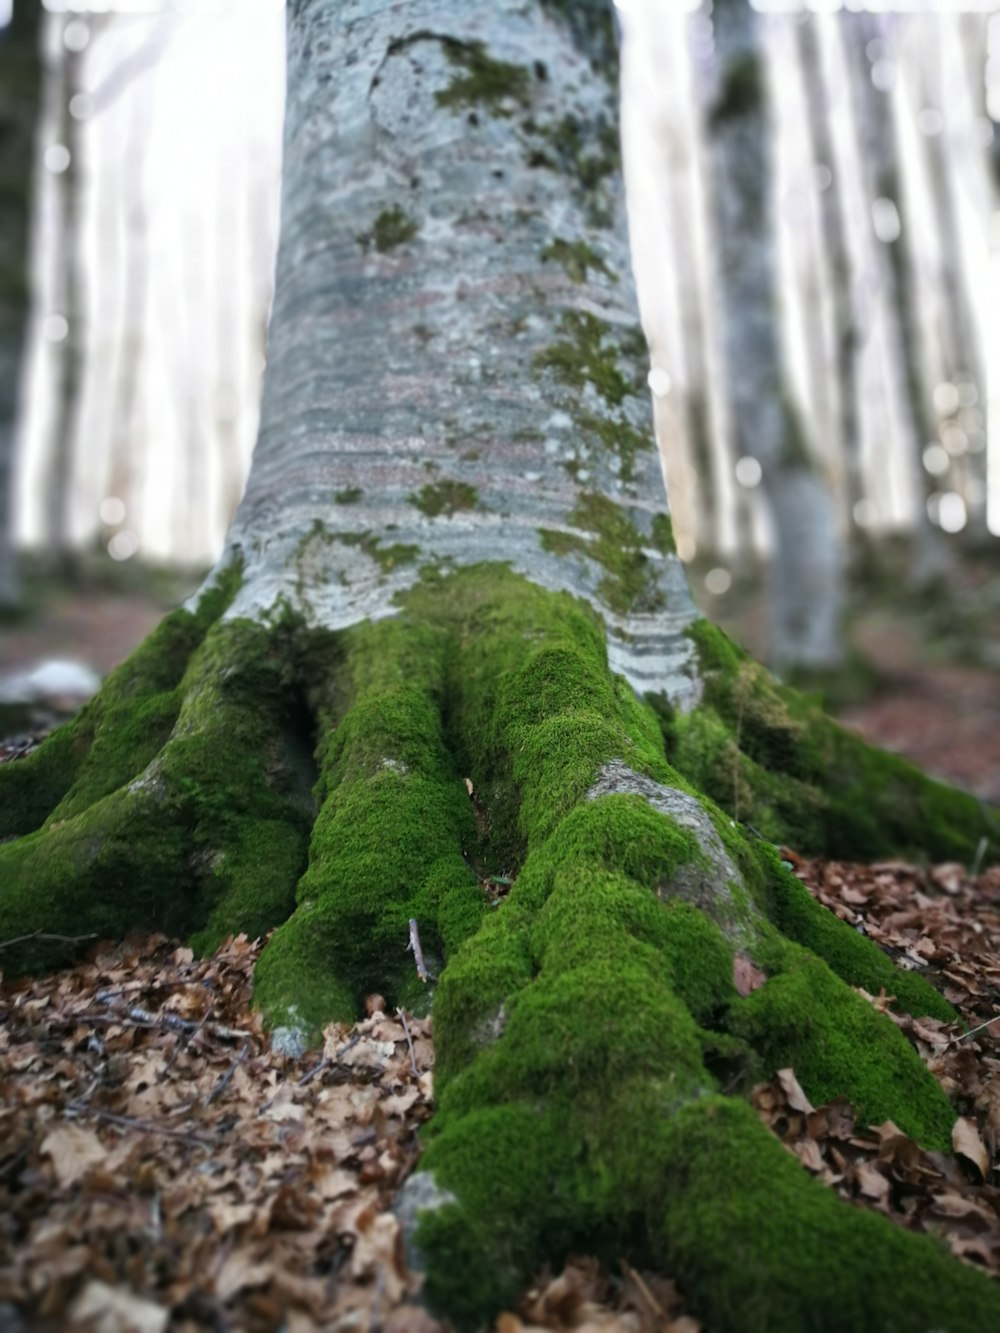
(140, 314)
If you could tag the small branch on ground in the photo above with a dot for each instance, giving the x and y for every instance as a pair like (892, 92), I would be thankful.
(409, 1041)
(45, 935)
(418, 953)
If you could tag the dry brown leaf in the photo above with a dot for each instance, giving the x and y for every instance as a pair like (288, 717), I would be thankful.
(797, 1099)
(967, 1142)
(101, 1308)
(74, 1150)
(746, 977)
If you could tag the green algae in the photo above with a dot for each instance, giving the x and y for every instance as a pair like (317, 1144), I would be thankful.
(480, 80)
(590, 352)
(577, 258)
(392, 228)
(445, 497)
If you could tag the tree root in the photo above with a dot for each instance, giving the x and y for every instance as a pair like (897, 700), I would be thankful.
(585, 1027)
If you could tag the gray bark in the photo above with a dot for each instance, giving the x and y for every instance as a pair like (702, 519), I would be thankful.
(806, 564)
(456, 372)
(19, 79)
(875, 121)
(837, 257)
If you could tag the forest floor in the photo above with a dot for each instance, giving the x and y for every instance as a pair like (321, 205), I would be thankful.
(161, 1167)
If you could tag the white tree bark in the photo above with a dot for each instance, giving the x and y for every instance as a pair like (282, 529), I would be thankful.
(807, 576)
(455, 372)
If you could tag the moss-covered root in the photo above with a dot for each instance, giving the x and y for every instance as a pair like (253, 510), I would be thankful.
(188, 809)
(770, 757)
(596, 1010)
(386, 845)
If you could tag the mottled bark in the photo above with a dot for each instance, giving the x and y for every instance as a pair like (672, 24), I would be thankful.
(837, 258)
(453, 244)
(806, 564)
(19, 80)
(875, 123)
(63, 80)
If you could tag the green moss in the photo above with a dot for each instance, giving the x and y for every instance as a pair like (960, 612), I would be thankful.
(615, 434)
(445, 497)
(392, 228)
(386, 844)
(630, 583)
(758, 1245)
(577, 258)
(118, 732)
(349, 496)
(387, 557)
(587, 151)
(483, 81)
(769, 756)
(589, 352)
(663, 534)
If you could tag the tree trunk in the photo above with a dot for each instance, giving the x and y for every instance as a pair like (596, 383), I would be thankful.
(19, 79)
(453, 537)
(806, 561)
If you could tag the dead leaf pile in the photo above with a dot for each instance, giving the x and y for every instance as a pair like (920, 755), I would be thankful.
(159, 1166)
(883, 1169)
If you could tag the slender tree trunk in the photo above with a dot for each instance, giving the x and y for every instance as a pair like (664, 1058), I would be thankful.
(64, 77)
(19, 80)
(837, 257)
(296, 749)
(807, 576)
(875, 120)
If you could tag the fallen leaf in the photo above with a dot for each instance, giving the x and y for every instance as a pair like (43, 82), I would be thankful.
(104, 1309)
(966, 1141)
(797, 1099)
(746, 977)
(74, 1150)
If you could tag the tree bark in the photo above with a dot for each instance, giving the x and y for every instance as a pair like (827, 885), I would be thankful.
(290, 750)
(806, 562)
(19, 80)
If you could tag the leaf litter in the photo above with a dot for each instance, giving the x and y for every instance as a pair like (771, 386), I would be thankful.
(161, 1168)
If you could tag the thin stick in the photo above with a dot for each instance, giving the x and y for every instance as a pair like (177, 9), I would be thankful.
(418, 953)
(409, 1042)
(148, 1127)
(45, 935)
(325, 1063)
(226, 1078)
(145, 1018)
(972, 1031)
(980, 853)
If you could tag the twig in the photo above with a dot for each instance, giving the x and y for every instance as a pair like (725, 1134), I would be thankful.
(409, 1042)
(189, 1038)
(45, 935)
(325, 1063)
(226, 1078)
(418, 953)
(149, 1127)
(978, 860)
(80, 1103)
(144, 1018)
(972, 1031)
